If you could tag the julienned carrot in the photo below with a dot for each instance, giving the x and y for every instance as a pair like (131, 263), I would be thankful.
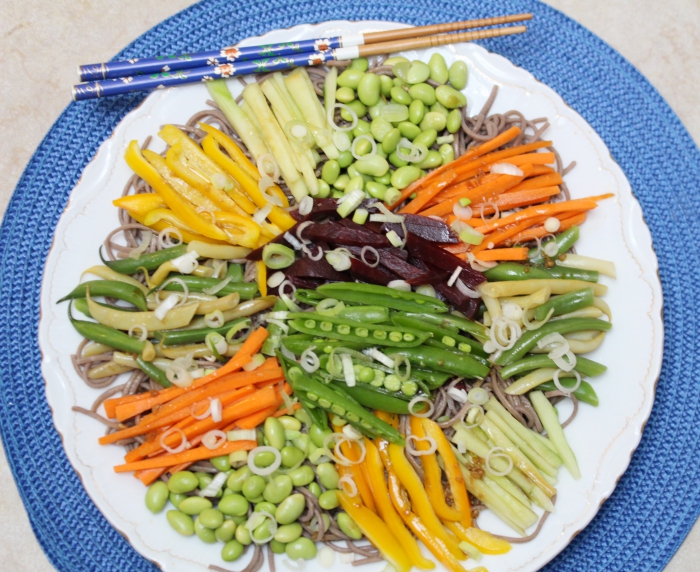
(511, 200)
(285, 411)
(481, 164)
(487, 147)
(160, 396)
(425, 195)
(546, 158)
(539, 182)
(502, 254)
(252, 421)
(500, 235)
(197, 454)
(541, 170)
(195, 441)
(540, 231)
(150, 476)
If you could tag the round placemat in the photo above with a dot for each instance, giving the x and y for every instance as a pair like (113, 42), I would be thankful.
(656, 501)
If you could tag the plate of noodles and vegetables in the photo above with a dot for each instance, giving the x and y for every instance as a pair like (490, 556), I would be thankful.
(359, 314)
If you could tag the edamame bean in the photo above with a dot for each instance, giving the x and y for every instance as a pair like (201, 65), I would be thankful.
(289, 435)
(157, 496)
(300, 414)
(458, 75)
(454, 120)
(391, 140)
(265, 507)
(381, 153)
(291, 456)
(396, 161)
(376, 190)
(288, 532)
(290, 423)
(183, 482)
(350, 78)
(363, 147)
(330, 173)
(418, 72)
(262, 532)
(344, 94)
(329, 499)
(290, 509)
(177, 498)
(416, 111)
(234, 505)
(221, 463)
(204, 479)
(400, 95)
(369, 89)
(253, 487)
(302, 476)
(203, 533)
(276, 547)
(278, 489)
(232, 550)
(315, 489)
(375, 166)
(438, 68)
(380, 128)
(344, 159)
(447, 152)
(194, 505)
(303, 548)
(404, 176)
(374, 111)
(359, 64)
(318, 434)
(274, 431)
(237, 478)
(180, 522)
(432, 160)
(437, 106)
(450, 97)
(363, 127)
(264, 459)
(226, 531)
(401, 69)
(433, 120)
(356, 183)
(243, 535)
(211, 518)
(324, 189)
(328, 475)
(385, 179)
(394, 60)
(302, 443)
(348, 525)
(427, 138)
(409, 130)
(386, 85)
(341, 182)
(423, 92)
(357, 106)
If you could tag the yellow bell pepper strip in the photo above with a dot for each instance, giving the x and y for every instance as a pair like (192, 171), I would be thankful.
(261, 277)
(177, 203)
(140, 204)
(219, 252)
(277, 215)
(376, 530)
(190, 193)
(352, 452)
(239, 229)
(388, 418)
(432, 476)
(374, 470)
(123, 320)
(483, 540)
(399, 498)
(232, 149)
(107, 273)
(419, 498)
(453, 472)
(200, 171)
(168, 217)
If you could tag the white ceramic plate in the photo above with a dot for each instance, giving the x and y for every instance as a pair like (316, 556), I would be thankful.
(603, 438)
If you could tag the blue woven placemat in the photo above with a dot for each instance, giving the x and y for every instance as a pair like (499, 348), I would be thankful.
(657, 500)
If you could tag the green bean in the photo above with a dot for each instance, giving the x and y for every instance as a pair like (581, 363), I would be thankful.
(278, 489)
(149, 261)
(357, 106)
(584, 366)
(423, 92)
(303, 548)
(377, 398)
(404, 176)
(180, 522)
(433, 159)
(226, 531)
(369, 89)
(288, 532)
(513, 271)
(374, 166)
(232, 550)
(194, 505)
(350, 78)
(290, 509)
(450, 97)
(348, 525)
(154, 372)
(433, 120)
(157, 496)
(344, 94)
(418, 72)
(382, 296)
(235, 272)
(584, 392)
(328, 475)
(409, 130)
(447, 153)
(246, 290)
(399, 95)
(183, 482)
(458, 75)
(109, 336)
(564, 240)
(111, 289)
(566, 303)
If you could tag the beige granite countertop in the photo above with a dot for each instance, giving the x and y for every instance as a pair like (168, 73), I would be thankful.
(661, 38)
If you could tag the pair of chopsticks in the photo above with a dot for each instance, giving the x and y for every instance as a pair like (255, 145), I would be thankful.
(114, 78)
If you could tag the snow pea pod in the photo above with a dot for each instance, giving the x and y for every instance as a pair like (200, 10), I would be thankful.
(564, 240)
(110, 289)
(375, 398)
(175, 337)
(382, 296)
(583, 366)
(439, 333)
(585, 391)
(452, 323)
(513, 271)
(149, 261)
(246, 290)
(529, 339)
(310, 297)
(365, 314)
(445, 361)
(317, 415)
(566, 303)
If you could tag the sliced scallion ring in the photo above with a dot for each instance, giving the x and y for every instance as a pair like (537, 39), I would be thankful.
(277, 256)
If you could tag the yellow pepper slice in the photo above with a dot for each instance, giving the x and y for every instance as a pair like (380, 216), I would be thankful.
(187, 160)
(187, 236)
(375, 478)
(168, 217)
(352, 452)
(123, 320)
(378, 533)
(399, 498)
(140, 204)
(452, 470)
(483, 540)
(277, 215)
(261, 277)
(178, 204)
(432, 476)
(239, 229)
(232, 149)
(419, 499)
(190, 193)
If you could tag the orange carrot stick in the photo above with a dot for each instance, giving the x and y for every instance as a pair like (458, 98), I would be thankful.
(546, 158)
(541, 170)
(502, 254)
(252, 421)
(502, 234)
(540, 231)
(285, 411)
(197, 454)
(163, 394)
(482, 164)
(539, 182)
(425, 195)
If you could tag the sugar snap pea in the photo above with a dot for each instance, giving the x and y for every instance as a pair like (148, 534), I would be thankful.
(375, 398)
(438, 332)
(382, 296)
(445, 361)
(149, 261)
(111, 289)
(583, 366)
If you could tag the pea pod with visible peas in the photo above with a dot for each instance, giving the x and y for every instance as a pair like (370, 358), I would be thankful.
(438, 332)
(298, 343)
(445, 361)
